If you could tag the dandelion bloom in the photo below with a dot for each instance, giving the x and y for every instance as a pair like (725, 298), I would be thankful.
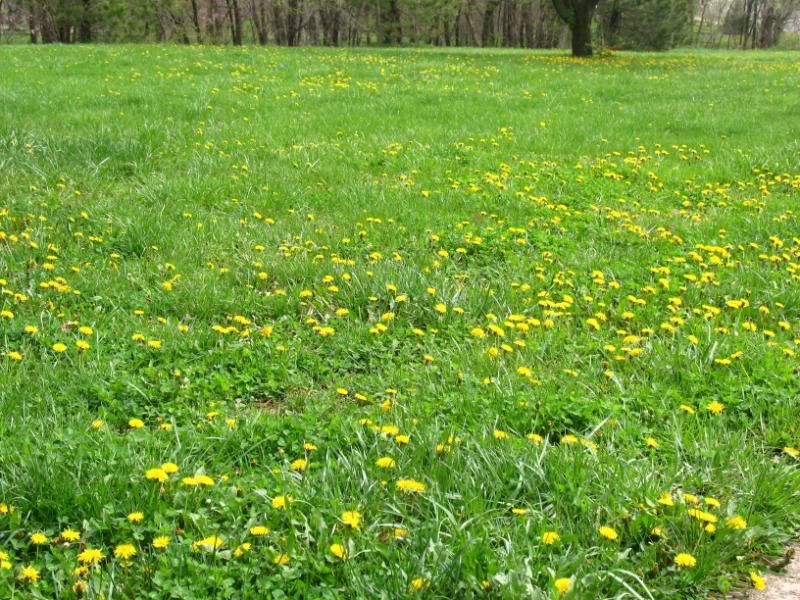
(29, 573)
(299, 465)
(281, 502)
(550, 537)
(608, 533)
(685, 560)
(135, 423)
(563, 584)
(38, 539)
(259, 530)
(338, 550)
(91, 556)
(58, 347)
(281, 559)
(70, 535)
(156, 475)
(420, 583)
(136, 517)
(410, 486)
(352, 518)
(125, 551)
(519, 511)
(736, 522)
(161, 542)
(385, 462)
(758, 581)
(169, 467)
(715, 407)
(209, 543)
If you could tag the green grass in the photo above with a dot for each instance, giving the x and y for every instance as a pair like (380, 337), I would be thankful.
(523, 243)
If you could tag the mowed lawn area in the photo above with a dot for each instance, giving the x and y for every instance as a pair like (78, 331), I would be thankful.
(320, 323)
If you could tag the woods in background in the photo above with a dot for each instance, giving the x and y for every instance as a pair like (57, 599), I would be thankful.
(632, 24)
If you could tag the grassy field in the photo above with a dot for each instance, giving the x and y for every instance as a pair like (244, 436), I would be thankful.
(374, 324)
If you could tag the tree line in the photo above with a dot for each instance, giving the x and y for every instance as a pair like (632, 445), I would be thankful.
(583, 24)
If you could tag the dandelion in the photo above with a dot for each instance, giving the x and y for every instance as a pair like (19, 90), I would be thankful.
(281, 502)
(29, 574)
(209, 544)
(337, 550)
(97, 424)
(125, 551)
(39, 539)
(161, 542)
(520, 512)
(420, 583)
(156, 474)
(135, 423)
(550, 537)
(685, 560)
(299, 465)
(70, 535)
(242, 549)
(563, 585)
(259, 530)
(410, 486)
(758, 581)
(608, 532)
(91, 556)
(500, 434)
(281, 560)
(169, 468)
(736, 522)
(666, 499)
(59, 347)
(715, 408)
(352, 519)
(385, 462)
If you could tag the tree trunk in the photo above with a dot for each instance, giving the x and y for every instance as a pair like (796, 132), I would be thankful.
(196, 22)
(582, 32)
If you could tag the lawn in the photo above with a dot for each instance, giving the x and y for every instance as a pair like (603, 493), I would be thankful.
(321, 323)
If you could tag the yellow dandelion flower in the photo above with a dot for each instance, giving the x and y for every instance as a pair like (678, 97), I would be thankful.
(29, 574)
(39, 539)
(91, 556)
(125, 551)
(608, 532)
(156, 474)
(550, 537)
(563, 584)
(758, 581)
(352, 518)
(410, 486)
(338, 550)
(685, 560)
(161, 542)
(281, 502)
